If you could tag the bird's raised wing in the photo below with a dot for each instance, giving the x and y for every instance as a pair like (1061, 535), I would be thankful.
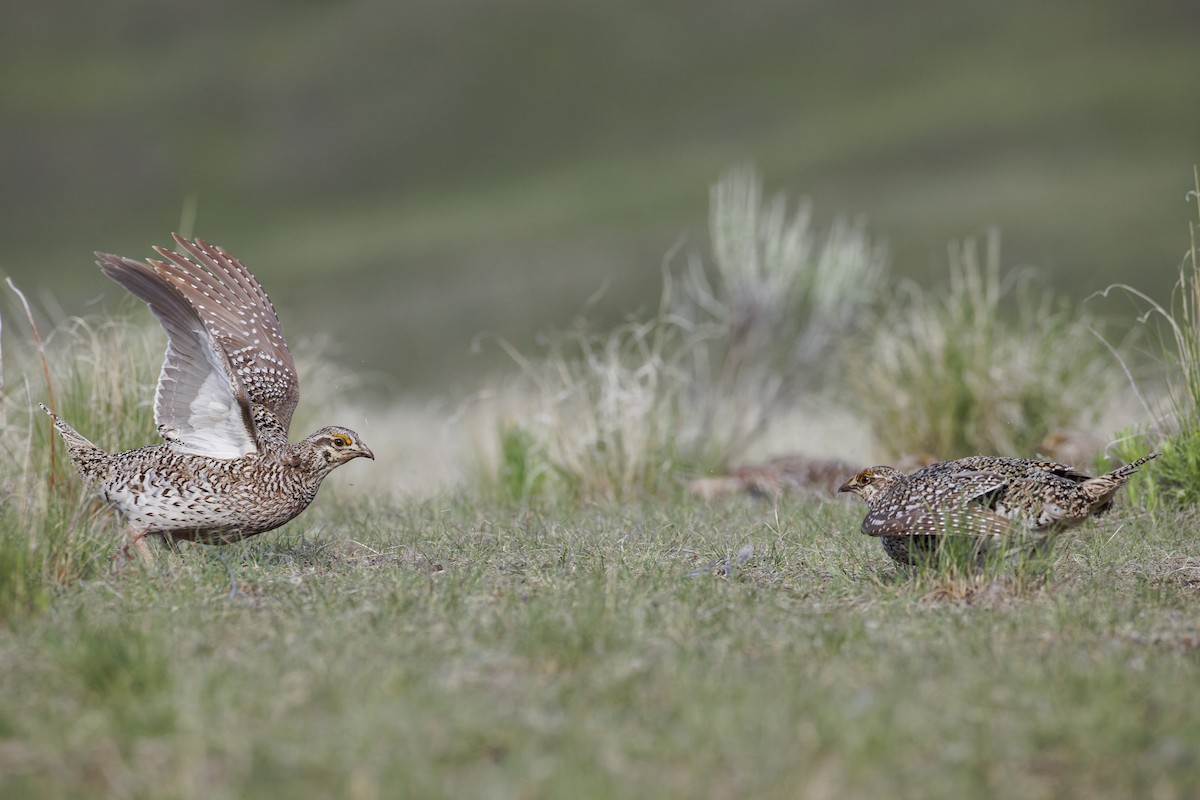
(199, 406)
(237, 312)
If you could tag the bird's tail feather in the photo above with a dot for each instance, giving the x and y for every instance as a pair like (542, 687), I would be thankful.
(1122, 473)
(76, 442)
(1103, 487)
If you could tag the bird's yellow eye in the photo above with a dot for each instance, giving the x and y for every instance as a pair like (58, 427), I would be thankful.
(341, 440)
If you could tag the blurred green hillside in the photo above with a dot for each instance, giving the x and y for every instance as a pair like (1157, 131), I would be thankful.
(407, 175)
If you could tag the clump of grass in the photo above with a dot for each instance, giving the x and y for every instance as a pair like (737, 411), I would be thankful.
(617, 413)
(604, 412)
(989, 365)
(523, 469)
(96, 373)
(1174, 478)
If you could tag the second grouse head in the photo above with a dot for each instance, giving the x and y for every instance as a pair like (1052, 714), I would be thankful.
(872, 482)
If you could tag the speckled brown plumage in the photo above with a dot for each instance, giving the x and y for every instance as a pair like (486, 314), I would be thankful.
(1000, 502)
(223, 403)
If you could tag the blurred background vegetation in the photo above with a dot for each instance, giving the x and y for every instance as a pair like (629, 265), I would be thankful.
(405, 176)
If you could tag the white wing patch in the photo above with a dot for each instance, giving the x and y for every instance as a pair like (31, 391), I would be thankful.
(199, 406)
(196, 408)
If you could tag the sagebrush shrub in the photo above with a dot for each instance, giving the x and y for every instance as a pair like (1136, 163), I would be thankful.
(732, 345)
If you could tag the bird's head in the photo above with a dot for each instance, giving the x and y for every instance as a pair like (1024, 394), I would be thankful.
(334, 446)
(872, 482)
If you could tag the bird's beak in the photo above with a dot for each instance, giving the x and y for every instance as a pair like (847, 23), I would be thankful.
(847, 486)
(366, 453)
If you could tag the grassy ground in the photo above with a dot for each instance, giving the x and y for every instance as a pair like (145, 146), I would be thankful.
(466, 646)
(452, 648)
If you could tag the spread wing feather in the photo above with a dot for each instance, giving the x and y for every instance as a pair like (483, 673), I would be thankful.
(199, 405)
(234, 307)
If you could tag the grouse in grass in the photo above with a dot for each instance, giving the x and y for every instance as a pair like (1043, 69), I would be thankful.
(223, 405)
(1010, 503)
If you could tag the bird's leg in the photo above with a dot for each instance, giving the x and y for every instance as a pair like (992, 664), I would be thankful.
(136, 548)
(141, 547)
